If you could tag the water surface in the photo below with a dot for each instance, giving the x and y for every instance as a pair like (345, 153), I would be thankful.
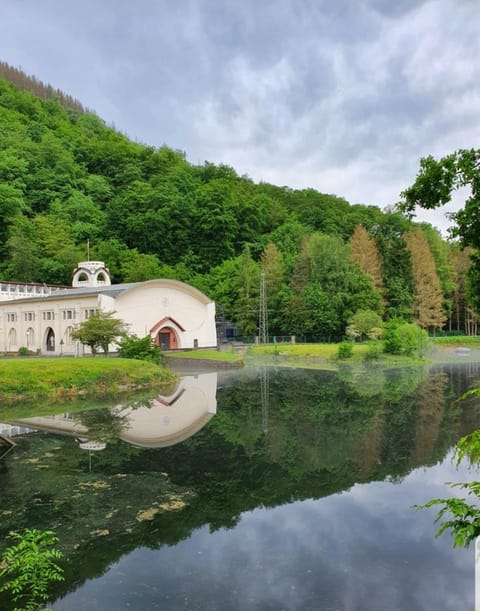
(260, 489)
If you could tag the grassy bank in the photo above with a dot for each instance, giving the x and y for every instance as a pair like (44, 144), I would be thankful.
(457, 341)
(228, 356)
(324, 356)
(23, 379)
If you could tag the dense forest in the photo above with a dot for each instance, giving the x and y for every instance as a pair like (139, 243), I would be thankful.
(66, 178)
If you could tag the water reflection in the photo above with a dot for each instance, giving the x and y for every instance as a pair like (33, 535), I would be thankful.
(159, 422)
(298, 494)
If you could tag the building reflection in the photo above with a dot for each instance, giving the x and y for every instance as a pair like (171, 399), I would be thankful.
(164, 421)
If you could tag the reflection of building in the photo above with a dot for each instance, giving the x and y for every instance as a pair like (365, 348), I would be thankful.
(169, 419)
(175, 314)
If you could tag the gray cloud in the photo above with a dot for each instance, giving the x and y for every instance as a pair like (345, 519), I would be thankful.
(341, 96)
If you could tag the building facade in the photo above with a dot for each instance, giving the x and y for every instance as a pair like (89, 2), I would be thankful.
(174, 314)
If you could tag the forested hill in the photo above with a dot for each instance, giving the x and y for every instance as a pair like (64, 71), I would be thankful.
(66, 178)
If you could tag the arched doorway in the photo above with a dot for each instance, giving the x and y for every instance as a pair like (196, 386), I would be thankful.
(50, 340)
(167, 339)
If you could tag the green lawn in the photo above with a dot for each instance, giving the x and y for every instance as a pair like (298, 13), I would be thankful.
(210, 355)
(316, 351)
(457, 341)
(26, 378)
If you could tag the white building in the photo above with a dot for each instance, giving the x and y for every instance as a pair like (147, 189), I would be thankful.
(176, 315)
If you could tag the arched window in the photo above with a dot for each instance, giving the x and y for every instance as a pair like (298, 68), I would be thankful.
(30, 336)
(67, 336)
(12, 339)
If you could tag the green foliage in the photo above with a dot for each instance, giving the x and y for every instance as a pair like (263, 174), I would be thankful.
(30, 568)
(374, 350)
(99, 331)
(405, 338)
(23, 379)
(365, 323)
(65, 178)
(23, 351)
(465, 518)
(345, 350)
(433, 187)
(143, 349)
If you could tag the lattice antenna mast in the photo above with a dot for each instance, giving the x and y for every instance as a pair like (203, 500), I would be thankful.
(265, 397)
(263, 319)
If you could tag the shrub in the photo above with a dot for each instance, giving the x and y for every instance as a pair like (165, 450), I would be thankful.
(374, 351)
(405, 338)
(142, 349)
(23, 351)
(30, 567)
(345, 350)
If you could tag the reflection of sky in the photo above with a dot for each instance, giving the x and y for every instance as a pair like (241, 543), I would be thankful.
(365, 549)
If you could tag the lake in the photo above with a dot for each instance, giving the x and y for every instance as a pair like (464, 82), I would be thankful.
(262, 489)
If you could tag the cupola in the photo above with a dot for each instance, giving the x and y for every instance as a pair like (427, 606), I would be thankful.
(91, 273)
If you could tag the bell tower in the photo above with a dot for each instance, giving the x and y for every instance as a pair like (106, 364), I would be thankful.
(91, 273)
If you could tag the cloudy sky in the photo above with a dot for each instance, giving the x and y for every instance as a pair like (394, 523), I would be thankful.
(341, 95)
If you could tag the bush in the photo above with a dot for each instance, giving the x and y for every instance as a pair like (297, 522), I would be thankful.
(23, 351)
(404, 338)
(142, 349)
(345, 350)
(374, 351)
(30, 567)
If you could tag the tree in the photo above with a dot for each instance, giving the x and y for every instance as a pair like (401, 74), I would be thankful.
(433, 187)
(328, 287)
(463, 314)
(365, 323)
(271, 262)
(364, 252)
(428, 298)
(397, 265)
(248, 288)
(100, 330)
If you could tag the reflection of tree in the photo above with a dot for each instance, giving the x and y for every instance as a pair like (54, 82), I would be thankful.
(461, 516)
(368, 448)
(325, 433)
(430, 399)
(103, 424)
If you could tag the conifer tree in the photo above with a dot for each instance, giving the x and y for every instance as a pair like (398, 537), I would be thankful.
(428, 298)
(364, 252)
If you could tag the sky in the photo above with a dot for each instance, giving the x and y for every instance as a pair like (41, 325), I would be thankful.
(344, 96)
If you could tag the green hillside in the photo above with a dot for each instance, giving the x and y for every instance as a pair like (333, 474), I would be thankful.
(66, 178)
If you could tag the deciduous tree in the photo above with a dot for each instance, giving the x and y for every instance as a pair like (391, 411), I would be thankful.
(99, 331)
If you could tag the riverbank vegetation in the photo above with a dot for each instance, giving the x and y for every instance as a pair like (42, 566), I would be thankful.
(66, 177)
(25, 379)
